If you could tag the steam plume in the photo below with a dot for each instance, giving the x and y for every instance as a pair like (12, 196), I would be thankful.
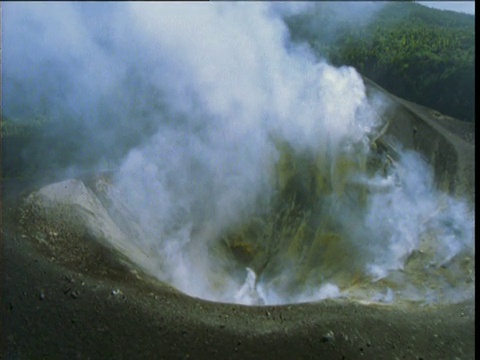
(195, 104)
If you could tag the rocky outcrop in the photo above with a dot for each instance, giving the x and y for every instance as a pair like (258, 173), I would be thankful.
(447, 144)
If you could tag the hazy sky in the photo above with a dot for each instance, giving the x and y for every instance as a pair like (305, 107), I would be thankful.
(467, 7)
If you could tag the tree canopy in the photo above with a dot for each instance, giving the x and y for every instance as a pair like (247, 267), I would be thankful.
(423, 55)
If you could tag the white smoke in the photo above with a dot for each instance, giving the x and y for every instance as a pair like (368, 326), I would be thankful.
(400, 218)
(191, 101)
(239, 87)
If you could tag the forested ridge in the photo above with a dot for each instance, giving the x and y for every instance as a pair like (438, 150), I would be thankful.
(423, 55)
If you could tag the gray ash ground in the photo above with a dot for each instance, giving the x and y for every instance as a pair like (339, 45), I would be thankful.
(91, 304)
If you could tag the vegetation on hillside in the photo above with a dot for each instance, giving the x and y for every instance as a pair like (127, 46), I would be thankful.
(30, 146)
(423, 55)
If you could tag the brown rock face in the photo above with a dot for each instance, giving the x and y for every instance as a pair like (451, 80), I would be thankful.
(447, 144)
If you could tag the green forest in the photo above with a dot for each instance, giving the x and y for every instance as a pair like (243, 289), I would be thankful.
(420, 54)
